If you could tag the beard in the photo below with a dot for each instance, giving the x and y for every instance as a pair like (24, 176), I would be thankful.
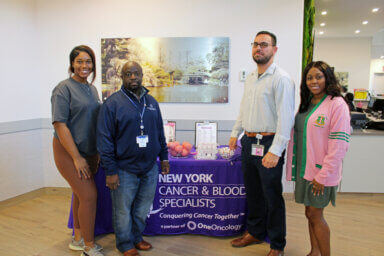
(262, 60)
(135, 87)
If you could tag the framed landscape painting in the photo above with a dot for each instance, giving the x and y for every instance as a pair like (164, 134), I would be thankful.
(176, 69)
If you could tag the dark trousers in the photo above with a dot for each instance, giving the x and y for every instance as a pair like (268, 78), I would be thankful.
(263, 187)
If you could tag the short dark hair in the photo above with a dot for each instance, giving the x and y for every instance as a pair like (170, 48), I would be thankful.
(349, 96)
(332, 86)
(274, 40)
(75, 52)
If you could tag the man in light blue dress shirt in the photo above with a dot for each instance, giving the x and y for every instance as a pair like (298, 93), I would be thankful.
(266, 117)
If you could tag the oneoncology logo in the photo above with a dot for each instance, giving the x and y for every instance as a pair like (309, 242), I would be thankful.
(191, 225)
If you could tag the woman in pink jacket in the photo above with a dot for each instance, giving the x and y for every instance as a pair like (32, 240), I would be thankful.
(319, 142)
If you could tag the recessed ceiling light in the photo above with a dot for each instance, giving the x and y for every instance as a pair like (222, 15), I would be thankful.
(375, 9)
(325, 12)
(322, 24)
(357, 31)
(382, 57)
(365, 22)
(321, 32)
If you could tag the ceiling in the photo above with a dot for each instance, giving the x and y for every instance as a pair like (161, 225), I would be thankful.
(344, 17)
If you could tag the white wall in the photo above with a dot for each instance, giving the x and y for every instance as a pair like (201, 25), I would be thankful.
(377, 76)
(20, 163)
(377, 66)
(352, 55)
(20, 85)
(20, 152)
(88, 21)
(41, 33)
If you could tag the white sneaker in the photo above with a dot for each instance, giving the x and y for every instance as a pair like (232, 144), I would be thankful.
(91, 251)
(76, 245)
(79, 245)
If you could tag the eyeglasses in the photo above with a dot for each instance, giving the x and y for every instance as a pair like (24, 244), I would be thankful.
(129, 74)
(262, 44)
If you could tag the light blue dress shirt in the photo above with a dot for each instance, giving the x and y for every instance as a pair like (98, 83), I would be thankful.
(268, 105)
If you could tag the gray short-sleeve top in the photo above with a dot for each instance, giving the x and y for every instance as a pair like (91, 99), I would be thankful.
(77, 105)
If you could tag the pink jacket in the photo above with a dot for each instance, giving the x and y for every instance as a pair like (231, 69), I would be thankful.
(326, 140)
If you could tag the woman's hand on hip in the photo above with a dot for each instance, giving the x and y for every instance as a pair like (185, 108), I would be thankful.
(317, 188)
(82, 167)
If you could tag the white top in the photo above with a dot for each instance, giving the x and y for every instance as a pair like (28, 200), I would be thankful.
(268, 106)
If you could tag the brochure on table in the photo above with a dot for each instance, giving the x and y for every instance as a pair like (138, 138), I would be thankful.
(170, 131)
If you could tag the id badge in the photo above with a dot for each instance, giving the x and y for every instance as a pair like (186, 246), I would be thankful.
(257, 150)
(142, 141)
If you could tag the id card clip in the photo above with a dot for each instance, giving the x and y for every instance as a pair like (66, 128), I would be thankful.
(259, 137)
(258, 149)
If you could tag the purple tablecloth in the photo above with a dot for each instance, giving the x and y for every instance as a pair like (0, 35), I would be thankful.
(198, 197)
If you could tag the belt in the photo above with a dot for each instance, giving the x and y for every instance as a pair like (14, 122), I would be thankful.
(253, 134)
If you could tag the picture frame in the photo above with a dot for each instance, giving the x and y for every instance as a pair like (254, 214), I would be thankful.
(175, 69)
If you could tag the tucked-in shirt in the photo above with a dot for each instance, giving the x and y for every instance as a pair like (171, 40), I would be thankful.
(117, 130)
(77, 105)
(268, 106)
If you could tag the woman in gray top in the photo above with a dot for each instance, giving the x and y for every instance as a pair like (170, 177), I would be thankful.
(75, 106)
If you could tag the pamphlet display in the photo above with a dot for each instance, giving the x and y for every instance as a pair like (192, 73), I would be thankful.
(206, 140)
(205, 132)
(170, 131)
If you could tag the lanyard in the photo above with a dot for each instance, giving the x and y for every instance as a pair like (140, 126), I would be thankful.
(141, 113)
